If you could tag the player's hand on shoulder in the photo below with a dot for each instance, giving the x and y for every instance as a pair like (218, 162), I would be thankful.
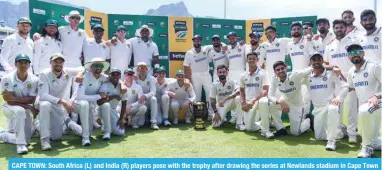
(336, 101)
(79, 77)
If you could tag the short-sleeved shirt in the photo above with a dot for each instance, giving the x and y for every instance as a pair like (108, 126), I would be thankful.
(12, 83)
(320, 44)
(220, 91)
(148, 85)
(300, 53)
(143, 51)
(133, 94)
(182, 93)
(236, 58)
(88, 89)
(372, 45)
(72, 42)
(92, 49)
(111, 90)
(198, 61)
(275, 51)
(336, 53)
(120, 55)
(253, 83)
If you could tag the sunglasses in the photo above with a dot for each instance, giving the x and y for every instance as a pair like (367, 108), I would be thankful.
(305, 28)
(355, 52)
(129, 74)
(115, 74)
(122, 31)
(98, 66)
(76, 18)
(280, 69)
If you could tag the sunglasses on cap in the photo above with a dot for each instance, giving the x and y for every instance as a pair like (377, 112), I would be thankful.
(100, 66)
(280, 69)
(75, 17)
(355, 52)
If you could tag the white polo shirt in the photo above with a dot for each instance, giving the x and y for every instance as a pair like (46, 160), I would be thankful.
(161, 88)
(336, 53)
(366, 81)
(291, 87)
(43, 50)
(92, 50)
(120, 55)
(14, 45)
(320, 44)
(236, 58)
(12, 83)
(217, 57)
(355, 33)
(182, 93)
(112, 90)
(322, 87)
(53, 88)
(199, 62)
(275, 51)
(220, 91)
(143, 51)
(372, 45)
(261, 53)
(133, 94)
(253, 83)
(299, 53)
(148, 85)
(89, 88)
(72, 42)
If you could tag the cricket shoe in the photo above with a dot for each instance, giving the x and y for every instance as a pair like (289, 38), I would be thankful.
(45, 144)
(268, 135)
(21, 149)
(331, 145)
(188, 120)
(240, 127)
(106, 136)
(154, 126)
(353, 139)
(175, 121)
(86, 141)
(166, 123)
(281, 132)
(376, 145)
(366, 152)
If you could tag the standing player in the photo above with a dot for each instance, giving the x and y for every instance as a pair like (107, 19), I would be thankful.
(54, 107)
(336, 55)
(181, 97)
(236, 57)
(257, 48)
(321, 84)
(222, 97)
(365, 78)
(15, 44)
(96, 47)
(307, 27)
(48, 44)
(371, 41)
(19, 90)
(324, 38)
(217, 55)
(351, 30)
(147, 82)
(121, 50)
(86, 97)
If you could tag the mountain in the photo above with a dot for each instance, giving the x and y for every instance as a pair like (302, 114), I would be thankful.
(174, 9)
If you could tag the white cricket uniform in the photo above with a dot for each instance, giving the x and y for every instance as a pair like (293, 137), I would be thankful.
(149, 91)
(134, 92)
(110, 90)
(43, 50)
(291, 93)
(320, 44)
(19, 120)
(85, 102)
(253, 85)
(218, 58)
(372, 45)
(182, 94)
(326, 115)
(219, 91)
(237, 61)
(14, 45)
(143, 51)
(355, 33)
(275, 51)
(120, 55)
(164, 99)
(200, 75)
(92, 49)
(51, 90)
(72, 43)
(260, 50)
(367, 82)
(336, 54)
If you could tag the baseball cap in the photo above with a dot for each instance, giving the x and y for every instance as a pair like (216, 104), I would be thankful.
(51, 22)
(22, 57)
(271, 27)
(324, 20)
(56, 56)
(99, 26)
(121, 27)
(254, 34)
(197, 36)
(115, 70)
(129, 71)
(354, 46)
(232, 33)
(160, 69)
(216, 36)
(24, 20)
(316, 54)
(180, 72)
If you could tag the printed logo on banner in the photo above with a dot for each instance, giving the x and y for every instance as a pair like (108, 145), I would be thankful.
(258, 27)
(39, 11)
(116, 22)
(151, 23)
(163, 57)
(163, 35)
(284, 23)
(128, 23)
(177, 56)
(206, 25)
(237, 27)
(227, 26)
(162, 24)
(62, 16)
(216, 26)
(180, 28)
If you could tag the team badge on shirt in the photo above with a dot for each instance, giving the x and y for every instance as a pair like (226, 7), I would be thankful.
(46, 44)
(277, 44)
(133, 91)
(67, 76)
(229, 87)
(6, 84)
(239, 50)
(29, 86)
(53, 81)
(376, 39)
(68, 32)
(19, 43)
(204, 53)
(223, 52)
(40, 85)
(15, 85)
(79, 34)
(291, 83)
(301, 46)
(148, 83)
(365, 75)
(324, 78)
(257, 78)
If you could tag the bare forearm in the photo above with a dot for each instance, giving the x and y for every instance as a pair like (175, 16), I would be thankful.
(123, 109)
(242, 95)
(213, 104)
(232, 96)
(24, 100)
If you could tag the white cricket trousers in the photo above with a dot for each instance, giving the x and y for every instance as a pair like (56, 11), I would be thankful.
(229, 106)
(137, 112)
(153, 105)
(370, 121)
(349, 106)
(163, 108)
(87, 113)
(201, 81)
(19, 124)
(326, 122)
(175, 106)
(114, 117)
(261, 106)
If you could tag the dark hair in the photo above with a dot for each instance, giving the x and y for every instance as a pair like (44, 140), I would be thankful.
(324, 20)
(56, 36)
(338, 21)
(278, 63)
(296, 24)
(271, 27)
(252, 53)
(354, 47)
(367, 12)
(308, 23)
(221, 66)
(347, 12)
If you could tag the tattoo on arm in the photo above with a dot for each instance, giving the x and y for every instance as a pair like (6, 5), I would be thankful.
(213, 104)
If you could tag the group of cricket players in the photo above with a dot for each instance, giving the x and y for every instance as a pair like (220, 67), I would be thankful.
(62, 81)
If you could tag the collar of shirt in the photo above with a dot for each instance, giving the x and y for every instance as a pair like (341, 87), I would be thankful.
(363, 67)
(254, 73)
(19, 38)
(140, 40)
(378, 30)
(300, 41)
(237, 46)
(196, 53)
(274, 41)
(323, 74)
(19, 81)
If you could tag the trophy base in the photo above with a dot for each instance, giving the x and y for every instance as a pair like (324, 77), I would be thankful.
(199, 124)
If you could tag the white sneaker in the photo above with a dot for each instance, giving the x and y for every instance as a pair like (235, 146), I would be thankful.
(352, 139)
(86, 142)
(232, 120)
(2, 135)
(154, 126)
(331, 145)
(22, 149)
(376, 145)
(268, 135)
(188, 120)
(106, 136)
(167, 123)
(175, 121)
(240, 127)
(366, 152)
(45, 144)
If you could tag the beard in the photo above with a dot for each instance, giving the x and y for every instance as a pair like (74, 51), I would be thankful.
(222, 77)
(340, 34)
(317, 66)
(197, 45)
(254, 42)
(369, 27)
(57, 69)
(356, 60)
(296, 34)
(323, 30)
(216, 45)
(23, 32)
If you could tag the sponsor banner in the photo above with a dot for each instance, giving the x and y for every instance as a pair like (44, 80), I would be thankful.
(257, 26)
(180, 33)
(92, 18)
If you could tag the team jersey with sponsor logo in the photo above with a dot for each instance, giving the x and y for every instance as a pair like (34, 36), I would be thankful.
(336, 53)
(236, 58)
(198, 61)
(253, 83)
(110, 90)
(12, 83)
(372, 45)
(299, 53)
(321, 43)
(182, 93)
(220, 91)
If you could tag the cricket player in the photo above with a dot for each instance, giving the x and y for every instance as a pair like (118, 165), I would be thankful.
(54, 107)
(48, 44)
(365, 78)
(96, 47)
(307, 28)
(196, 66)
(134, 94)
(236, 57)
(336, 55)
(19, 91)
(223, 98)
(15, 44)
(86, 97)
(112, 89)
(147, 82)
(321, 84)
(371, 41)
(324, 37)
(217, 55)
(164, 100)
(120, 51)
(256, 47)
(181, 97)
(351, 30)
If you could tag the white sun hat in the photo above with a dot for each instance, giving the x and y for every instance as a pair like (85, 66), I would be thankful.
(74, 13)
(97, 60)
(138, 31)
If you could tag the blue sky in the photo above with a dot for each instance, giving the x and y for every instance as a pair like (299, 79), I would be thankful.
(238, 9)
